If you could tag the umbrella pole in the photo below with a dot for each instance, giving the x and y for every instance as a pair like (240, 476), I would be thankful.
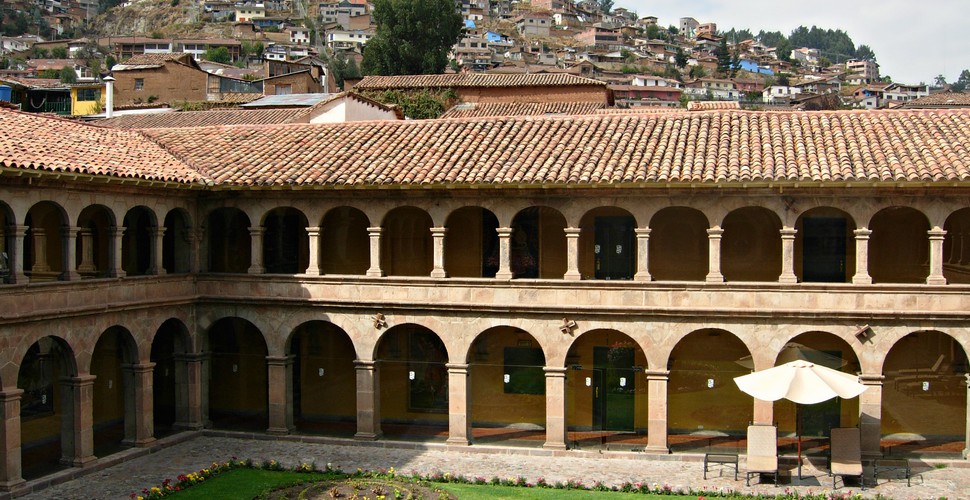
(798, 432)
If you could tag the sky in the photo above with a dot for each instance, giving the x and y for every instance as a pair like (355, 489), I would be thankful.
(914, 40)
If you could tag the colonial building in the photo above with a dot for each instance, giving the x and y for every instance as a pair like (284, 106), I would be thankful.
(581, 281)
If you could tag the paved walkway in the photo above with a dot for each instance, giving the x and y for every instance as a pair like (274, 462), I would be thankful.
(119, 475)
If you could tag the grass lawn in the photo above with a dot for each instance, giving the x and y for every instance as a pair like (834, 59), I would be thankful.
(248, 483)
(475, 491)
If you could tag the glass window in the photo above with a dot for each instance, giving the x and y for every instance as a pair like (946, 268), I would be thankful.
(139, 83)
(88, 95)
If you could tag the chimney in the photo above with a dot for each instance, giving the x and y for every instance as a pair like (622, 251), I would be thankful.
(109, 98)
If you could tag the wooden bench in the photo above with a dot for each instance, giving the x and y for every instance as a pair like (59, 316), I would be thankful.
(721, 459)
(893, 466)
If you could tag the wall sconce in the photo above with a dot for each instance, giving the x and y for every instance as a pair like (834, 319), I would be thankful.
(506, 378)
(864, 333)
(710, 383)
(568, 326)
(379, 321)
(320, 372)
(926, 386)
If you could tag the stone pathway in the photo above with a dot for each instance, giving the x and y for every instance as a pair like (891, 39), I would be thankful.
(116, 477)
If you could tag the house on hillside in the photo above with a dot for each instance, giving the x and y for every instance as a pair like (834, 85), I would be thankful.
(170, 78)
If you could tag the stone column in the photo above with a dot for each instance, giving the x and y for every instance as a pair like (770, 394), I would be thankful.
(117, 235)
(139, 404)
(69, 258)
(375, 251)
(459, 396)
(870, 414)
(555, 408)
(966, 434)
(504, 249)
(657, 411)
(788, 256)
(438, 238)
(188, 391)
(862, 256)
(195, 244)
(155, 265)
(77, 423)
(39, 236)
(280, 394)
(11, 468)
(714, 255)
(314, 235)
(764, 412)
(643, 255)
(86, 259)
(256, 254)
(572, 254)
(16, 255)
(936, 257)
(368, 401)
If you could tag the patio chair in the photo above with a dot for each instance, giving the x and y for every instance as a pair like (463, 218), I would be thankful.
(762, 452)
(846, 455)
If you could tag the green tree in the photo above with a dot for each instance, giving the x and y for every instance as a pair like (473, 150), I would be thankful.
(606, 6)
(681, 58)
(865, 53)
(672, 30)
(59, 52)
(413, 37)
(940, 80)
(697, 72)
(653, 32)
(723, 57)
(218, 54)
(68, 75)
(963, 81)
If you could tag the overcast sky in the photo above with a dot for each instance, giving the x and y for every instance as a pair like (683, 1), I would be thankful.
(914, 40)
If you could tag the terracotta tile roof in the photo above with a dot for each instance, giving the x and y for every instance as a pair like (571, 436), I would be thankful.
(474, 80)
(941, 100)
(712, 105)
(215, 117)
(35, 83)
(34, 142)
(715, 147)
(140, 60)
(471, 110)
(640, 109)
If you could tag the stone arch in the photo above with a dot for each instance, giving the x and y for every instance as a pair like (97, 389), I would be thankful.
(956, 247)
(138, 242)
(323, 375)
(170, 348)
(678, 247)
(824, 246)
(8, 241)
(413, 381)
(285, 241)
(538, 243)
(345, 242)
(608, 244)
(751, 245)
(406, 242)
(177, 242)
(228, 241)
(114, 390)
(471, 243)
(95, 244)
(237, 381)
(899, 246)
(44, 245)
(47, 406)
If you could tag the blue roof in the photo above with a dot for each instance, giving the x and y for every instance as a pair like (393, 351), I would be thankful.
(469, 23)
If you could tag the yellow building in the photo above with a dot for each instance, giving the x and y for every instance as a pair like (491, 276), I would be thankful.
(87, 99)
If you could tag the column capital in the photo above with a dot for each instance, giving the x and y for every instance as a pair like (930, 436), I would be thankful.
(79, 381)
(862, 233)
(504, 231)
(374, 230)
(158, 230)
(642, 232)
(11, 395)
(788, 232)
(139, 367)
(280, 360)
(555, 371)
(572, 232)
(191, 356)
(256, 230)
(438, 231)
(657, 374)
(715, 232)
(936, 233)
(874, 379)
(457, 368)
(365, 364)
(314, 230)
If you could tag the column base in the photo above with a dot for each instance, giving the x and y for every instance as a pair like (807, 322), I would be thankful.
(71, 276)
(503, 276)
(554, 446)
(313, 271)
(714, 278)
(862, 280)
(642, 277)
(188, 427)
(367, 436)
(965, 453)
(439, 273)
(256, 270)
(376, 273)
(936, 280)
(12, 485)
(572, 276)
(278, 431)
(788, 279)
(119, 274)
(80, 462)
(458, 441)
(139, 443)
(657, 450)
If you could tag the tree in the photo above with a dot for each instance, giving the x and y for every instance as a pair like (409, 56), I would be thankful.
(865, 53)
(723, 57)
(68, 75)
(681, 58)
(697, 72)
(783, 50)
(940, 80)
(413, 37)
(963, 81)
(218, 55)
(59, 52)
(606, 6)
(653, 32)
(673, 30)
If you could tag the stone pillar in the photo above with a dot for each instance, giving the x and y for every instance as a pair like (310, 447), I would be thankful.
(438, 237)
(764, 412)
(39, 236)
(643, 255)
(155, 265)
(368, 401)
(280, 394)
(77, 423)
(936, 257)
(572, 254)
(555, 408)
(195, 244)
(86, 260)
(375, 251)
(189, 413)
(69, 258)
(714, 255)
(657, 411)
(788, 256)
(459, 392)
(256, 254)
(314, 235)
(504, 253)
(117, 235)
(10, 468)
(862, 256)
(16, 255)
(139, 404)
(966, 434)
(870, 414)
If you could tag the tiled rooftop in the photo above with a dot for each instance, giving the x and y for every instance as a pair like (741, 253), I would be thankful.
(941, 100)
(215, 117)
(474, 80)
(471, 110)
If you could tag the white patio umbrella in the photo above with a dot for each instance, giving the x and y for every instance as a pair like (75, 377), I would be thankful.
(800, 381)
(793, 351)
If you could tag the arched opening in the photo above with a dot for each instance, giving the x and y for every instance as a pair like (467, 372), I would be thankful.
(413, 384)
(606, 392)
(538, 245)
(170, 381)
(824, 246)
(608, 244)
(324, 401)
(114, 406)
(751, 245)
(471, 244)
(924, 396)
(238, 379)
(7, 241)
(702, 370)
(899, 246)
(177, 243)
(230, 244)
(285, 241)
(345, 243)
(46, 415)
(94, 241)
(678, 245)
(406, 246)
(44, 253)
(137, 244)
(507, 388)
(956, 247)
